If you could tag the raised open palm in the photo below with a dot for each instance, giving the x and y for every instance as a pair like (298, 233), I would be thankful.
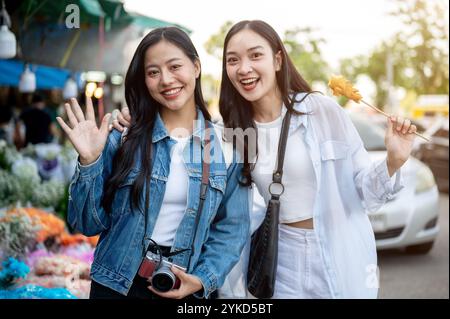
(88, 140)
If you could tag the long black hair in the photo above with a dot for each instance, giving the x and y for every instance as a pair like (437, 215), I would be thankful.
(143, 110)
(235, 110)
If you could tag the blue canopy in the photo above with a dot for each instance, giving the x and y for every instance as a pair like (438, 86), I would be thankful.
(46, 77)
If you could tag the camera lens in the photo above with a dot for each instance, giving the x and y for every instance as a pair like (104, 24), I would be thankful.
(163, 279)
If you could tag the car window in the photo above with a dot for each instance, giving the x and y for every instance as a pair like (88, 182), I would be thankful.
(371, 134)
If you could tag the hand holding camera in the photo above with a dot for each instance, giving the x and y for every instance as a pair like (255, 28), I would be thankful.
(157, 270)
(167, 279)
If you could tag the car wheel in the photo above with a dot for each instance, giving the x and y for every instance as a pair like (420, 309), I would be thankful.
(420, 249)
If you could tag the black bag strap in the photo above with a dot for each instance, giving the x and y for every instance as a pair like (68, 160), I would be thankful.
(278, 174)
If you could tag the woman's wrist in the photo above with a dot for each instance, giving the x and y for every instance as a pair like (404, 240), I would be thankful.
(393, 165)
(85, 161)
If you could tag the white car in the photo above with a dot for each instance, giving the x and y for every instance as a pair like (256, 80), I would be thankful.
(408, 221)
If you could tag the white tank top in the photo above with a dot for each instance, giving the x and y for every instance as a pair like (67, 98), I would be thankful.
(296, 203)
(175, 197)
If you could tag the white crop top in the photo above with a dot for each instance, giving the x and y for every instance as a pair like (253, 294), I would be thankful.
(296, 203)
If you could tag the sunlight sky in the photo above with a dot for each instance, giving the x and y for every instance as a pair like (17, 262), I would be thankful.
(350, 27)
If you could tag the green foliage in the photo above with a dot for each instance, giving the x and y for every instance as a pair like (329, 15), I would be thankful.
(419, 53)
(303, 48)
(302, 45)
(10, 190)
(17, 235)
(214, 45)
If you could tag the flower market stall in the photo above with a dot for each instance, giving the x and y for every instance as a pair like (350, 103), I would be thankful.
(39, 256)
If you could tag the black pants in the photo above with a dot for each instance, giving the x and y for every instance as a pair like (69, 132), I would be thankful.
(138, 290)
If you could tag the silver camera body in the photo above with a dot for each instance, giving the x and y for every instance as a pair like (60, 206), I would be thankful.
(158, 272)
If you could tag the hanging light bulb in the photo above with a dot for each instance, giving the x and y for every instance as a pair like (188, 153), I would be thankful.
(70, 89)
(98, 93)
(90, 88)
(27, 82)
(8, 41)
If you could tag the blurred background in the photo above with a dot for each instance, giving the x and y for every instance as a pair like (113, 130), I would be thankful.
(396, 53)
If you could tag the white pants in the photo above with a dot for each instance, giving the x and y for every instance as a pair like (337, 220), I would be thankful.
(300, 270)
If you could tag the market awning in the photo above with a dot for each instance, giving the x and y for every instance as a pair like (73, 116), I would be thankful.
(46, 77)
(110, 12)
(55, 10)
(105, 41)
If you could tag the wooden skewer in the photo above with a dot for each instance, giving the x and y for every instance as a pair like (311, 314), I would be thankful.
(387, 115)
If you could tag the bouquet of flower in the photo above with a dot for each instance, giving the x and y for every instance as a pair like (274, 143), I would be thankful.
(16, 284)
(12, 271)
(67, 239)
(49, 225)
(8, 155)
(18, 235)
(48, 194)
(10, 189)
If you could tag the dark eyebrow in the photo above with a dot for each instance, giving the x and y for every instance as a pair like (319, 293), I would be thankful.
(255, 48)
(251, 49)
(167, 62)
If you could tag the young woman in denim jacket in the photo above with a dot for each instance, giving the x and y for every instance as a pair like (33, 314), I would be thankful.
(326, 242)
(107, 192)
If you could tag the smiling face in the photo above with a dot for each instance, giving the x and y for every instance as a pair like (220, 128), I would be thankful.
(170, 76)
(251, 65)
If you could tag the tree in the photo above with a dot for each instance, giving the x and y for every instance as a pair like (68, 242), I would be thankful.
(427, 41)
(214, 45)
(419, 55)
(303, 48)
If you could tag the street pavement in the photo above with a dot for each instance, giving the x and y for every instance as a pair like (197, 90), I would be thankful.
(406, 276)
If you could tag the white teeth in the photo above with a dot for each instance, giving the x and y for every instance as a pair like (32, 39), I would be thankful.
(173, 91)
(248, 81)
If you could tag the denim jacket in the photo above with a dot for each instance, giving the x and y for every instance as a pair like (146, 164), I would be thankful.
(223, 225)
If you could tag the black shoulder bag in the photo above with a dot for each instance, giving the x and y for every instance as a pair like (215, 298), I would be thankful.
(262, 267)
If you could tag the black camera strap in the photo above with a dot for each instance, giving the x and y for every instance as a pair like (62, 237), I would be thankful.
(147, 205)
(206, 160)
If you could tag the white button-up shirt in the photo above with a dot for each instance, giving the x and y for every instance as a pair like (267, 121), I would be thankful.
(348, 185)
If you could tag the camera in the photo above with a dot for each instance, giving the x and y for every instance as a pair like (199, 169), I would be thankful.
(157, 271)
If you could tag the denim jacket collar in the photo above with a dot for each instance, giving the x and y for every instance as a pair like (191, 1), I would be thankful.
(160, 132)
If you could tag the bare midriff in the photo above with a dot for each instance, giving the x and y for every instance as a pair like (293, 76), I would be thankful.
(307, 223)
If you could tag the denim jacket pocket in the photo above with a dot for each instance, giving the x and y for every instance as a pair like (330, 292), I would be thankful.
(334, 150)
(218, 182)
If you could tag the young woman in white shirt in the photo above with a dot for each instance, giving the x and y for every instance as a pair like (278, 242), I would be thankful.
(326, 242)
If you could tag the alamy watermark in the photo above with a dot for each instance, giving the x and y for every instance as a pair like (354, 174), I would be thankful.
(373, 276)
(256, 139)
(73, 17)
